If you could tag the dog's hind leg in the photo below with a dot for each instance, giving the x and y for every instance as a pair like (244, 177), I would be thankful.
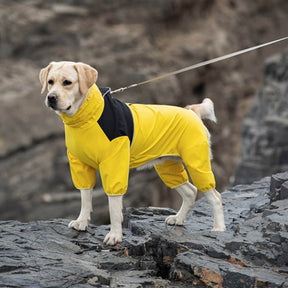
(83, 219)
(215, 200)
(188, 193)
(173, 175)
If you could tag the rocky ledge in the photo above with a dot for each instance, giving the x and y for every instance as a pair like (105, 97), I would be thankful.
(253, 252)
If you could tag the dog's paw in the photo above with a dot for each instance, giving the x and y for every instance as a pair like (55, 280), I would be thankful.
(174, 220)
(113, 238)
(219, 228)
(78, 224)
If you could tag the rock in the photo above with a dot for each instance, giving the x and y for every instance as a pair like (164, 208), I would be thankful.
(279, 187)
(252, 252)
(284, 191)
(265, 130)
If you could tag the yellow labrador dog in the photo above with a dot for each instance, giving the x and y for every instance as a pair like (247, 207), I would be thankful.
(104, 134)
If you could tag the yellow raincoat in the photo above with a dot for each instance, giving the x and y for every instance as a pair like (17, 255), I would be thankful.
(100, 139)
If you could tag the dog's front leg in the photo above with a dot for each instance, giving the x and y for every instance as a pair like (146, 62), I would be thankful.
(116, 218)
(83, 219)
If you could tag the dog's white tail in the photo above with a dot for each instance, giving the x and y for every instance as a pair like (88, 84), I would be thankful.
(205, 110)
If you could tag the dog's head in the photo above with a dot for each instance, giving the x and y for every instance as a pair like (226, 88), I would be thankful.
(68, 84)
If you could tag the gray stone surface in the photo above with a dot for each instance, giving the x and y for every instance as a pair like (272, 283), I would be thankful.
(253, 252)
(279, 187)
(265, 130)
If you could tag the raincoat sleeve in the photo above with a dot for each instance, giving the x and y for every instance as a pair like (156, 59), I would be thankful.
(114, 168)
(83, 175)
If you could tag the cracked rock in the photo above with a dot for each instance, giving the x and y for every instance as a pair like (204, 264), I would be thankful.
(252, 252)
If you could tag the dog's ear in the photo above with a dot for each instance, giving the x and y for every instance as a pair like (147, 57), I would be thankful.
(87, 76)
(43, 77)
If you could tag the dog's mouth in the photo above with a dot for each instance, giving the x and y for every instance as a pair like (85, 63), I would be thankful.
(53, 102)
(56, 108)
(52, 106)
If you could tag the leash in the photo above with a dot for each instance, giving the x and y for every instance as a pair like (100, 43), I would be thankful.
(195, 66)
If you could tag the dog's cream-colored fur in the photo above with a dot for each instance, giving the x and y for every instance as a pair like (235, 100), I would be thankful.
(69, 83)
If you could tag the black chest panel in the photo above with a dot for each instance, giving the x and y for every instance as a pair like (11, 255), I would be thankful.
(116, 119)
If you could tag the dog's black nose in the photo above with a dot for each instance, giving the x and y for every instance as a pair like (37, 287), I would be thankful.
(52, 100)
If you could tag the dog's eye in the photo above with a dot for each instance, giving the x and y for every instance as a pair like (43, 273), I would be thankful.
(50, 82)
(67, 83)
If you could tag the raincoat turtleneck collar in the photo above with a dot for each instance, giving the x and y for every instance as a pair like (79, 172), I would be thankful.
(90, 110)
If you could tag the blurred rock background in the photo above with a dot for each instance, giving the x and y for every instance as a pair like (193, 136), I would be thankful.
(265, 129)
(129, 41)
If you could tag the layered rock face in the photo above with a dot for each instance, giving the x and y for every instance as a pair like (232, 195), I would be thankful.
(252, 252)
(265, 130)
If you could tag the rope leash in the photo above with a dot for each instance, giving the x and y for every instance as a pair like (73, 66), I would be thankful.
(195, 66)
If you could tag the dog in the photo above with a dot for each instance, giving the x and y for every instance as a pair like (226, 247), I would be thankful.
(105, 134)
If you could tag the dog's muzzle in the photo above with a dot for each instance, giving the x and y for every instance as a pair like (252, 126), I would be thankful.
(52, 99)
